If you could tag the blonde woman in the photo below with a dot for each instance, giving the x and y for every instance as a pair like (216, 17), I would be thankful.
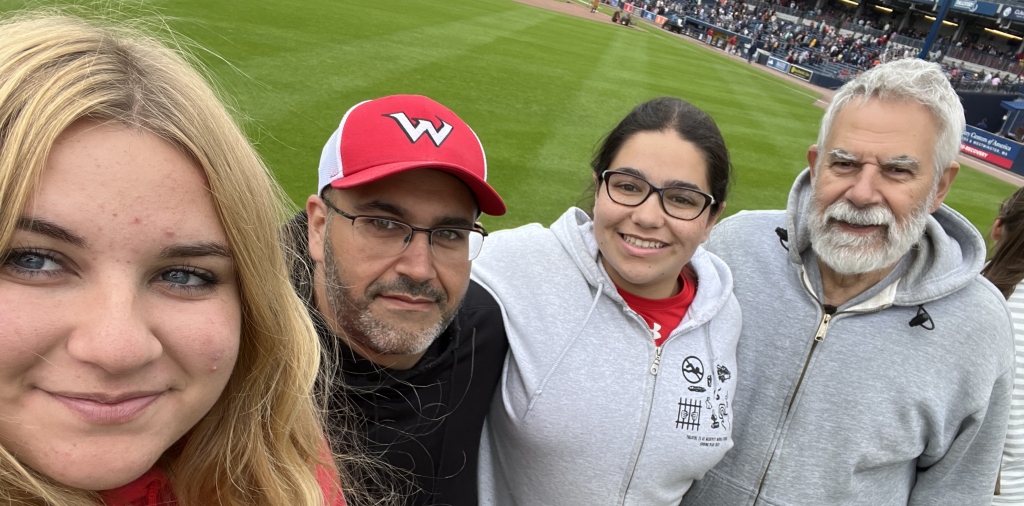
(151, 348)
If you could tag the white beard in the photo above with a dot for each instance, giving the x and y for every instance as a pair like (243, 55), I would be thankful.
(850, 254)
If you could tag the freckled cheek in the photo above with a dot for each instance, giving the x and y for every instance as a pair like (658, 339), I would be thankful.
(206, 342)
(27, 337)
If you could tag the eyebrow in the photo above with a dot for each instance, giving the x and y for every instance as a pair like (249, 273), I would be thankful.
(399, 211)
(381, 206)
(194, 250)
(903, 161)
(49, 229)
(671, 183)
(843, 155)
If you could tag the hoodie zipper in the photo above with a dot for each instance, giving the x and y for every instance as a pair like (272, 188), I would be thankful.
(647, 420)
(828, 313)
(657, 361)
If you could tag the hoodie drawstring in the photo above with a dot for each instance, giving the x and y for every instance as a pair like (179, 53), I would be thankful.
(923, 319)
(561, 356)
(783, 237)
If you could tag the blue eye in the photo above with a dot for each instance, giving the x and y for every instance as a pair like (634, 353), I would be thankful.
(188, 279)
(30, 262)
(35, 261)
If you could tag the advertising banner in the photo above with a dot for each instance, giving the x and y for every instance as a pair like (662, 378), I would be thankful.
(613, 3)
(800, 72)
(991, 148)
(1015, 13)
(976, 7)
(627, 7)
(660, 20)
(648, 15)
(777, 64)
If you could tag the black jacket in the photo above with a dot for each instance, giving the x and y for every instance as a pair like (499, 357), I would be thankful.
(425, 420)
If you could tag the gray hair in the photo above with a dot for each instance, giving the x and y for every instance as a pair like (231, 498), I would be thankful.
(908, 80)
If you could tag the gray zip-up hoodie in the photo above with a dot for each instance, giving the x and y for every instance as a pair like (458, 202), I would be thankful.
(588, 410)
(876, 410)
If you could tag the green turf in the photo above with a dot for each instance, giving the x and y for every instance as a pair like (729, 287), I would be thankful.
(540, 88)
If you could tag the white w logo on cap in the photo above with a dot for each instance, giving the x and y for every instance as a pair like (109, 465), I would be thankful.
(422, 126)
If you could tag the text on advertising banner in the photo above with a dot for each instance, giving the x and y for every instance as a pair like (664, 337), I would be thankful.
(660, 20)
(800, 72)
(777, 64)
(976, 7)
(991, 148)
(627, 7)
(1015, 13)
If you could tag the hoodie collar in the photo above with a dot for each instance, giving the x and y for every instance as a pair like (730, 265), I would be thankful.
(948, 256)
(575, 231)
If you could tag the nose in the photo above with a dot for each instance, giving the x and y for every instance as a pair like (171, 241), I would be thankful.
(416, 261)
(864, 191)
(649, 214)
(113, 333)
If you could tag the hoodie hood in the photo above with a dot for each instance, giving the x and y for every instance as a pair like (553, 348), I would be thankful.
(948, 256)
(575, 231)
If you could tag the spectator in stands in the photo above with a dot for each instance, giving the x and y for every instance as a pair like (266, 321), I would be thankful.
(1006, 271)
(847, 396)
(151, 349)
(983, 124)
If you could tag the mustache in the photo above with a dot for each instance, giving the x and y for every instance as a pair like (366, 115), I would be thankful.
(406, 286)
(869, 216)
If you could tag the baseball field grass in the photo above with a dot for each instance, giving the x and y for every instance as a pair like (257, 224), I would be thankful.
(540, 89)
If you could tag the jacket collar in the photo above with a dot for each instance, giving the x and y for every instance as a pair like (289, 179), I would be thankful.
(575, 231)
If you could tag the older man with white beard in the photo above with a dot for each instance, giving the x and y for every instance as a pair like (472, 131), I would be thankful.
(875, 364)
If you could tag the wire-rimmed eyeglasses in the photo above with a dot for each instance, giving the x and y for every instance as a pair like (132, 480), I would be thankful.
(389, 237)
(631, 190)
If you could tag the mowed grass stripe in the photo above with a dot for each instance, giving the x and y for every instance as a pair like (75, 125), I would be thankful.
(540, 88)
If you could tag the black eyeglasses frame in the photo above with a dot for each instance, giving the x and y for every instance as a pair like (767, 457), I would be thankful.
(606, 175)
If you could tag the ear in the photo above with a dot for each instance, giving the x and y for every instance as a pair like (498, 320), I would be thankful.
(597, 180)
(712, 219)
(945, 182)
(316, 228)
(812, 160)
(998, 230)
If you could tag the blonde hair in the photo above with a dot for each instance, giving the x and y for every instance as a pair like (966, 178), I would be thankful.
(260, 443)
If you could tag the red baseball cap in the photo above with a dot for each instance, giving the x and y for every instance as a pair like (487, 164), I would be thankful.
(382, 137)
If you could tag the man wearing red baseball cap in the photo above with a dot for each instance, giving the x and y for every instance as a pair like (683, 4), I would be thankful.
(382, 258)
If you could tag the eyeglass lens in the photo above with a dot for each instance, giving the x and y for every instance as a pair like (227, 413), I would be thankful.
(681, 203)
(384, 237)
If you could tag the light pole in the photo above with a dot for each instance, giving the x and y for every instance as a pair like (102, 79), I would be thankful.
(943, 9)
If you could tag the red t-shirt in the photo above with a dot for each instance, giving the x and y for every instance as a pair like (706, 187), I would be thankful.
(153, 488)
(663, 314)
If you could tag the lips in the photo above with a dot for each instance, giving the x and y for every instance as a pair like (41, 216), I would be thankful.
(404, 302)
(102, 409)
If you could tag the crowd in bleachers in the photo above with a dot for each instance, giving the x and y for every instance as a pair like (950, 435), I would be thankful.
(820, 46)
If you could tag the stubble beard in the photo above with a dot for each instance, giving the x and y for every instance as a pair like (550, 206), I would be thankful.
(353, 314)
(851, 254)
